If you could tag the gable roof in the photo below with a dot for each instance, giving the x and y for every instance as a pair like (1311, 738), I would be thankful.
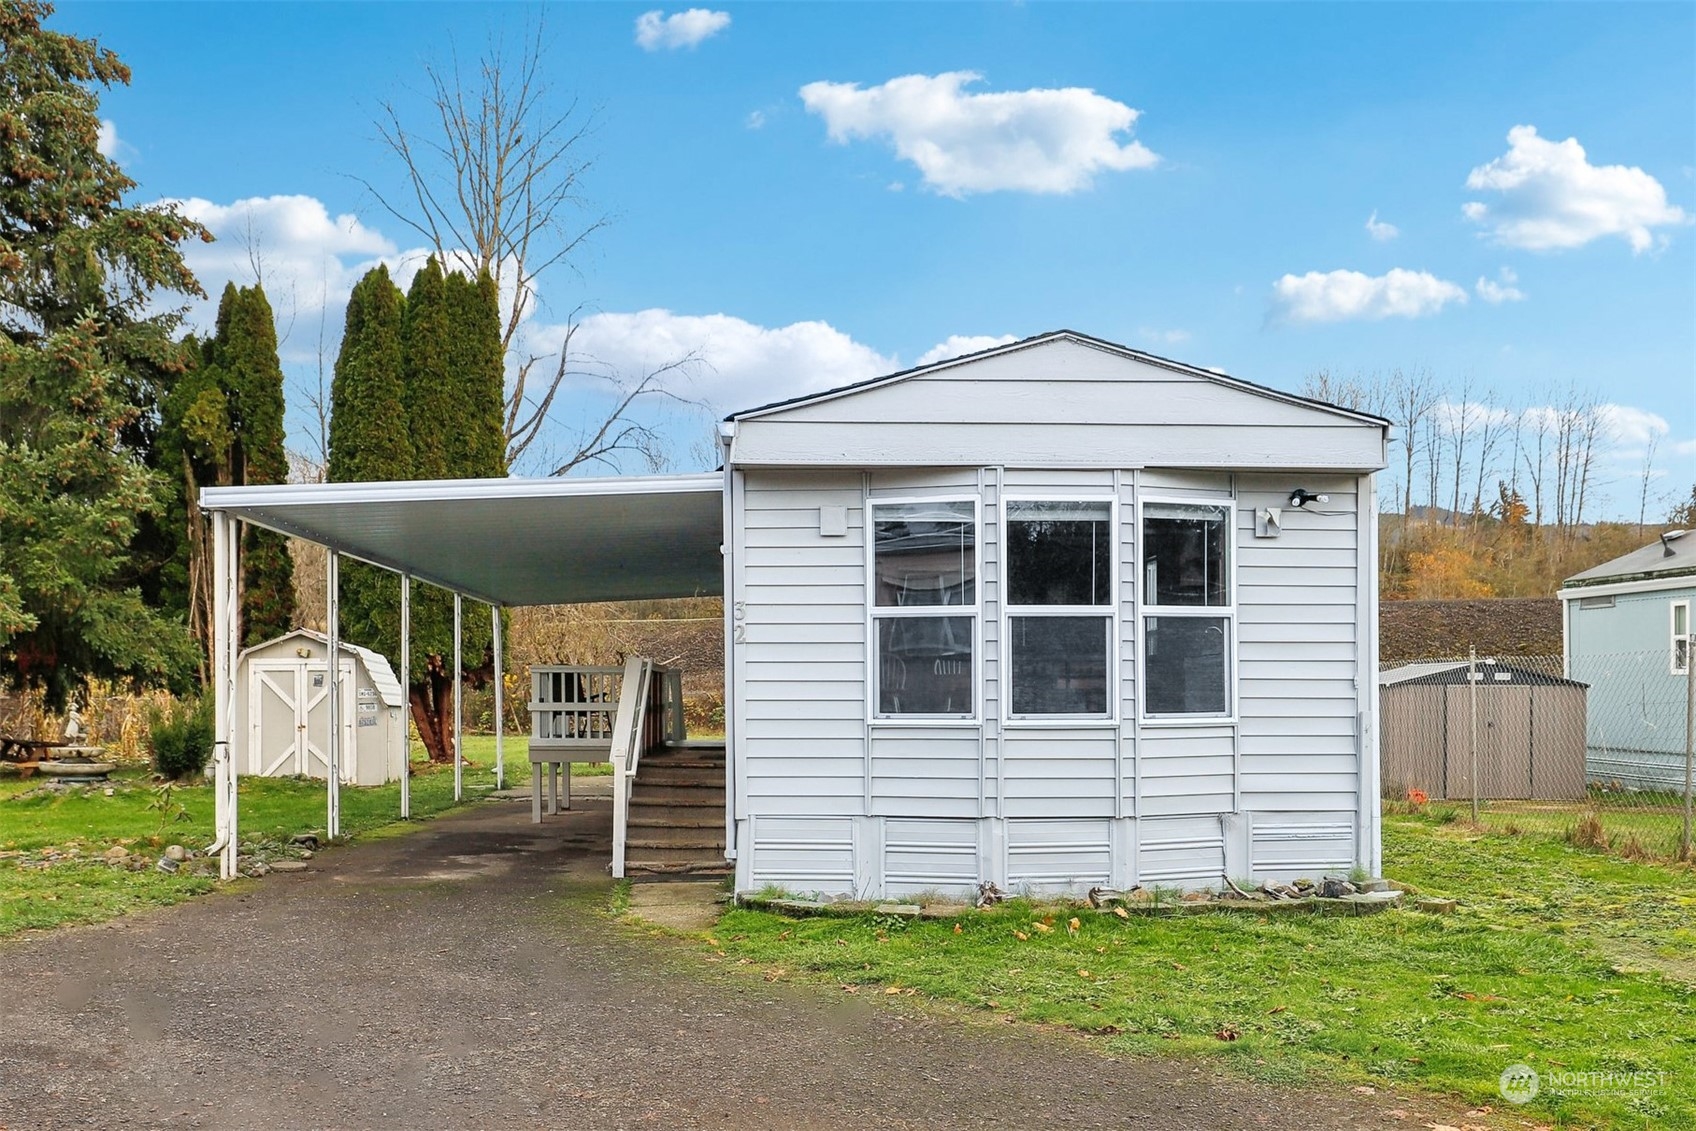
(377, 667)
(1451, 672)
(1673, 556)
(1043, 339)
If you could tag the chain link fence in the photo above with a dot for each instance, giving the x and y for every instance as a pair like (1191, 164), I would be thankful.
(1597, 750)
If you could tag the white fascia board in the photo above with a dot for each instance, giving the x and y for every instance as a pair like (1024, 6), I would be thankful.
(1645, 585)
(414, 490)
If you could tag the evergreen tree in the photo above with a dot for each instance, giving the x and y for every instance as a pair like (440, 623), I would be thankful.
(243, 356)
(79, 358)
(417, 395)
(369, 441)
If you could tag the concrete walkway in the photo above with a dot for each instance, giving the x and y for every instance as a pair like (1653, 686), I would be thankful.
(460, 977)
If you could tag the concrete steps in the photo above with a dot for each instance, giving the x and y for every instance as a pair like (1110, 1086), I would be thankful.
(676, 826)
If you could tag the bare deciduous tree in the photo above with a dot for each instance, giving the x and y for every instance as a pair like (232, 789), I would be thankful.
(495, 183)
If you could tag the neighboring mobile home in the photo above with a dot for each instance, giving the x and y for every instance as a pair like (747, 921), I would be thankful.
(1053, 615)
(1627, 626)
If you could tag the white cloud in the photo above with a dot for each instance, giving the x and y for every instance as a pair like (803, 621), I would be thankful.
(755, 120)
(307, 260)
(1552, 197)
(1173, 337)
(1338, 296)
(1380, 230)
(959, 345)
(741, 364)
(1502, 289)
(656, 31)
(1041, 140)
(106, 142)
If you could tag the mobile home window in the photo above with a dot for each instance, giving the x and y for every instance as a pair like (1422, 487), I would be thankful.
(1188, 609)
(1059, 593)
(1680, 650)
(924, 607)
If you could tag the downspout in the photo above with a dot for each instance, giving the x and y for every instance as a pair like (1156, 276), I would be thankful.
(727, 443)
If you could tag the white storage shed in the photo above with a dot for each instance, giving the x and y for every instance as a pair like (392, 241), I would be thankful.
(282, 707)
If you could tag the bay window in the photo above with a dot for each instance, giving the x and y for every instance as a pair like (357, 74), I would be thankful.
(1188, 609)
(925, 608)
(1059, 608)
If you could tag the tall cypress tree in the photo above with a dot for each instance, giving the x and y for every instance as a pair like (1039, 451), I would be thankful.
(369, 441)
(418, 395)
(244, 355)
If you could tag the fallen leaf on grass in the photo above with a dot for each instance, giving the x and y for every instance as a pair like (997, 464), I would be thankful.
(1179, 966)
(850, 989)
(892, 990)
(1121, 913)
(1277, 1009)
(1364, 1090)
(1021, 936)
(783, 935)
(1084, 974)
(959, 930)
(1043, 927)
(1073, 925)
(1228, 1033)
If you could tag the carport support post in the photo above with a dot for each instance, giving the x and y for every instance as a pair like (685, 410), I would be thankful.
(333, 626)
(223, 668)
(458, 697)
(405, 695)
(500, 688)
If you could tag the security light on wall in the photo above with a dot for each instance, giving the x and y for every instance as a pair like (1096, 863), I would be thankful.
(1299, 498)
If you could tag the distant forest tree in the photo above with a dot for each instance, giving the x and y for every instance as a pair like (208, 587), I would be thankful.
(417, 395)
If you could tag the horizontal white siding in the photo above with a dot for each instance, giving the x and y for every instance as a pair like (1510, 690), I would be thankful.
(1052, 772)
(1286, 845)
(801, 649)
(1187, 770)
(1298, 645)
(1059, 403)
(925, 772)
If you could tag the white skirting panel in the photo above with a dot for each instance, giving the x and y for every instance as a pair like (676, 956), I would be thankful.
(1285, 846)
(925, 856)
(1053, 856)
(1181, 851)
(803, 854)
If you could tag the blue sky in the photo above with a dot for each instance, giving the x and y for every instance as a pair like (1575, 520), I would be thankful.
(806, 194)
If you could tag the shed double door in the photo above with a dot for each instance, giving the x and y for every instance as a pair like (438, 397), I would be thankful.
(1504, 741)
(288, 714)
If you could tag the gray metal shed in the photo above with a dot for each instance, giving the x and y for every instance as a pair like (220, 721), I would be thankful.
(282, 711)
(1530, 731)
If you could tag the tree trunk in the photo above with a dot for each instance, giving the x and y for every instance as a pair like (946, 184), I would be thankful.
(432, 710)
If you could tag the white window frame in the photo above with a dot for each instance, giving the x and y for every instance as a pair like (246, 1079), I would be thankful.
(1145, 609)
(876, 612)
(1673, 635)
(1108, 612)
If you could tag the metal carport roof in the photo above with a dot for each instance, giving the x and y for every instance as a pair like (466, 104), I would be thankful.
(512, 541)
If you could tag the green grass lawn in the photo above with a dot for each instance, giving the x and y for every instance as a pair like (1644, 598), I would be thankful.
(1562, 959)
(82, 888)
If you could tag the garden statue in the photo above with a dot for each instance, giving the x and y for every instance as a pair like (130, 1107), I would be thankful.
(73, 724)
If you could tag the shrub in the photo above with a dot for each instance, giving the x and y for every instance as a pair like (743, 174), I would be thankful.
(180, 738)
(1588, 833)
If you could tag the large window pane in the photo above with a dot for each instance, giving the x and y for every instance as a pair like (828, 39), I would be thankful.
(1059, 553)
(1185, 668)
(924, 665)
(1059, 665)
(1183, 554)
(924, 554)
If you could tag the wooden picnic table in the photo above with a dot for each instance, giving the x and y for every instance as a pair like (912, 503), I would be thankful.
(27, 749)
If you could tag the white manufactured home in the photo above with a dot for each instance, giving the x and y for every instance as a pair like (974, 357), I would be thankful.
(1053, 615)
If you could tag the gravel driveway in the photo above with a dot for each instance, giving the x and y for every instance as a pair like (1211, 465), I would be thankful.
(459, 977)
